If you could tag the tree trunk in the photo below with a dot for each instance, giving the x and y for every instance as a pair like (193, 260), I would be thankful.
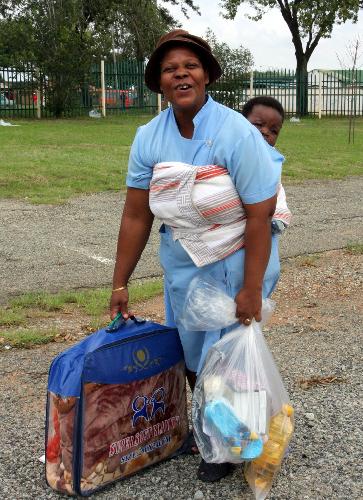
(301, 86)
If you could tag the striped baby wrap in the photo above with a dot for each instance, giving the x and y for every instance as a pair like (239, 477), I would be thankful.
(282, 212)
(202, 207)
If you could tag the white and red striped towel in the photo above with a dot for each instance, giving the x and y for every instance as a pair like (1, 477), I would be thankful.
(203, 208)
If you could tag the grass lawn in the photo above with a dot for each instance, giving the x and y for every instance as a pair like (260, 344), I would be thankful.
(20, 319)
(49, 161)
(318, 149)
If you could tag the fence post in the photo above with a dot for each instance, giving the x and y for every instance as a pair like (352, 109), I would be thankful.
(159, 104)
(320, 95)
(39, 104)
(103, 91)
(251, 85)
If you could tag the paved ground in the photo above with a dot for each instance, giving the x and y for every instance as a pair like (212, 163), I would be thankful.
(73, 245)
(315, 337)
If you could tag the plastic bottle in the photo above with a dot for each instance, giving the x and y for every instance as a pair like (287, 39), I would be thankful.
(260, 473)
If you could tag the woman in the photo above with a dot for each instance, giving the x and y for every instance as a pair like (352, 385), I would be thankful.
(207, 174)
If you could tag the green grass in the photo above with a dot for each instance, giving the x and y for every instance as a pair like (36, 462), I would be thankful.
(354, 248)
(49, 161)
(27, 338)
(12, 317)
(319, 149)
(91, 303)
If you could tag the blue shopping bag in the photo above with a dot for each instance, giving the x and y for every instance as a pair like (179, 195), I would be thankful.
(116, 404)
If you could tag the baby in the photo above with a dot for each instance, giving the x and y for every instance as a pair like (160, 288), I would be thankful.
(267, 114)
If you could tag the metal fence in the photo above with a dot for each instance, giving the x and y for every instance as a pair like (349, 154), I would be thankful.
(110, 88)
(328, 93)
(118, 87)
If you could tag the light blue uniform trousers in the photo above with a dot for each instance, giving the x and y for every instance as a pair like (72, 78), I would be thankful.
(179, 270)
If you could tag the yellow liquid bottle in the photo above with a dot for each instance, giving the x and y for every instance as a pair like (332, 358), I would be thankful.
(260, 472)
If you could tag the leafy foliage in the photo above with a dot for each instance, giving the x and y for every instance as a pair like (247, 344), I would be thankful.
(63, 37)
(308, 22)
(138, 26)
(237, 61)
(235, 64)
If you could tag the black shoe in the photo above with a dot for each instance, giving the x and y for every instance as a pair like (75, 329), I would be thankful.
(210, 473)
(189, 447)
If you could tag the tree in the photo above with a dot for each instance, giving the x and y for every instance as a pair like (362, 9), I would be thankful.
(64, 47)
(16, 42)
(236, 61)
(134, 25)
(138, 26)
(63, 37)
(308, 21)
(354, 54)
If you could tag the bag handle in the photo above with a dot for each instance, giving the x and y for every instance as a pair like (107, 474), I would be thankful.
(120, 321)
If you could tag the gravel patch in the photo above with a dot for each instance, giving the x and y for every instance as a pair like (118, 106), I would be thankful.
(315, 332)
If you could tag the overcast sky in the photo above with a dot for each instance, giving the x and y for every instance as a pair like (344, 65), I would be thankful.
(269, 40)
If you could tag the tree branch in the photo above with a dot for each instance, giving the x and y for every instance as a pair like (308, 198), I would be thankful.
(313, 46)
(310, 37)
(290, 17)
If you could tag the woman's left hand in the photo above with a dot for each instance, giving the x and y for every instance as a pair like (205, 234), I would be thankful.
(257, 253)
(249, 304)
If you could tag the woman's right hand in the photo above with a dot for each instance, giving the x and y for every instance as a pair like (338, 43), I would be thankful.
(119, 303)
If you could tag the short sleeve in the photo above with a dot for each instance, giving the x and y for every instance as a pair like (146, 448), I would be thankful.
(140, 166)
(255, 173)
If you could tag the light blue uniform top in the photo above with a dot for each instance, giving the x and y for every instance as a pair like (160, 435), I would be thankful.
(221, 137)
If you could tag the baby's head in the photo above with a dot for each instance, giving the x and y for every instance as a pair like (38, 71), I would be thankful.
(267, 114)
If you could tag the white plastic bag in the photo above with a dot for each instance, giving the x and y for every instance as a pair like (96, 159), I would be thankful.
(94, 113)
(207, 307)
(240, 409)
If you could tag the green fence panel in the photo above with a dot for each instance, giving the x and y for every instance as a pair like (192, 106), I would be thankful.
(18, 92)
(125, 88)
(26, 91)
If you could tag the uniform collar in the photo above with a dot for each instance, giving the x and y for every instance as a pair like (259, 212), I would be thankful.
(199, 117)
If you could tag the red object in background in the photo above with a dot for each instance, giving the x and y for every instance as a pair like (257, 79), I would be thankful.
(9, 94)
(35, 98)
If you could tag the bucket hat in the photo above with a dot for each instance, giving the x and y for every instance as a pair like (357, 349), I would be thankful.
(173, 39)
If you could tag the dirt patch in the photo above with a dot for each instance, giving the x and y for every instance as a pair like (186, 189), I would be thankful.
(151, 309)
(313, 289)
(317, 289)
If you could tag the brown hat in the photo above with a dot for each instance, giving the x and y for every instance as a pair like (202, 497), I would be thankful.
(173, 39)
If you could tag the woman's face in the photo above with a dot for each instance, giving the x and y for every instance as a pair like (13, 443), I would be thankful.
(183, 80)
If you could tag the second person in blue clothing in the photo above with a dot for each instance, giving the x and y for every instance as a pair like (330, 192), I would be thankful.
(206, 173)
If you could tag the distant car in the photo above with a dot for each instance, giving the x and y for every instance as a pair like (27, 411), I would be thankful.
(4, 101)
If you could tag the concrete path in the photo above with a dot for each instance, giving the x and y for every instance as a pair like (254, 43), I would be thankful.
(73, 246)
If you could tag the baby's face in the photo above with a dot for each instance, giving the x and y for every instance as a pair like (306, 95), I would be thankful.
(267, 120)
